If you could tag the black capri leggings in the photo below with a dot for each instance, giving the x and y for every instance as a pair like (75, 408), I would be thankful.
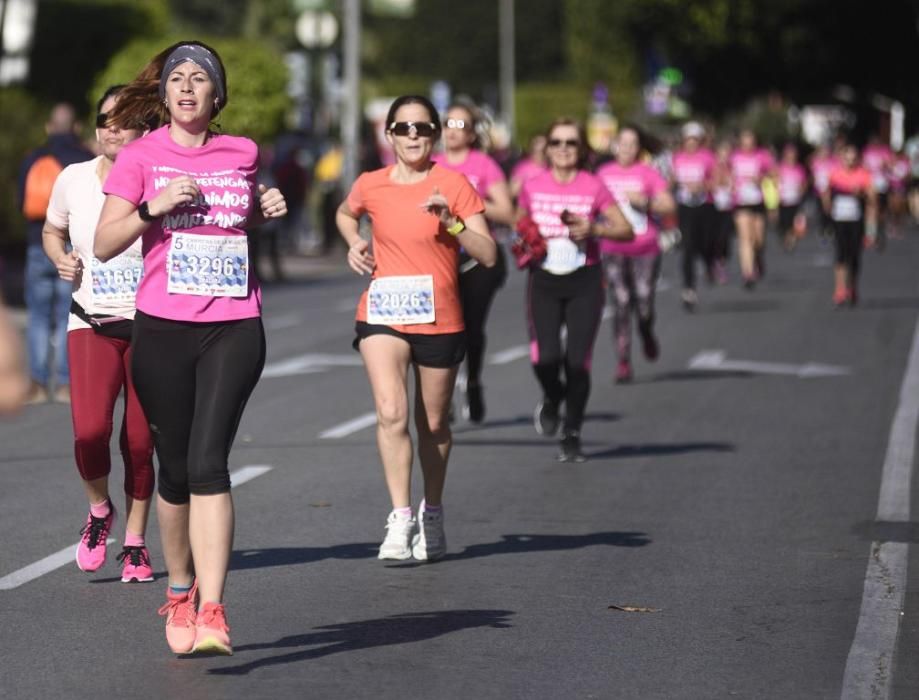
(193, 381)
(575, 300)
(478, 287)
(696, 229)
(850, 238)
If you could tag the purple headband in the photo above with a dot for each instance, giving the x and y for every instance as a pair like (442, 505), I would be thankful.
(201, 57)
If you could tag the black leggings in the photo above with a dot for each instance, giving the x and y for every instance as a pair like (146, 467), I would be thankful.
(575, 300)
(478, 287)
(695, 228)
(850, 237)
(193, 381)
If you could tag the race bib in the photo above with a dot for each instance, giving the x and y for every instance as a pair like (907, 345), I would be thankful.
(208, 265)
(750, 193)
(846, 207)
(401, 300)
(722, 197)
(115, 282)
(563, 256)
(690, 198)
(789, 193)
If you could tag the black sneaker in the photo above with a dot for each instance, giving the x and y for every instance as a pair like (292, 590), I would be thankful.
(475, 404)
(570, 448)
(545, 418)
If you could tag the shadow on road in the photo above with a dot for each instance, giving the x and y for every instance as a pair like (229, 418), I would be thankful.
(517, 544)
(510, 422)
(694, 374)
(730, 307)
(406, 628)
(288, 556)
(659, 449)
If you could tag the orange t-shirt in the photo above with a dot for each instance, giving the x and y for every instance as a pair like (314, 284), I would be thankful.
(407, 240)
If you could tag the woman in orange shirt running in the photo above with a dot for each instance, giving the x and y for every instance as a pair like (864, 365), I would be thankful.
(411, 315)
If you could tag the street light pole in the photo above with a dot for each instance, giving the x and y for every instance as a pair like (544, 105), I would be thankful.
(351, 108)
(506, 63)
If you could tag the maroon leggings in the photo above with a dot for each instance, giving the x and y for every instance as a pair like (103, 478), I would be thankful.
(99, 368)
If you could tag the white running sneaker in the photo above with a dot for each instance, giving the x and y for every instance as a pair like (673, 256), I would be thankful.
(399, 531)
(430, 543)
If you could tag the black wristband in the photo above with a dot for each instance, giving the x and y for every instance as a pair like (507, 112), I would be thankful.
(144, 212)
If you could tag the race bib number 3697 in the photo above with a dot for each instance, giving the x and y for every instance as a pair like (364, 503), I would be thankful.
(208, 265)
(402, 300)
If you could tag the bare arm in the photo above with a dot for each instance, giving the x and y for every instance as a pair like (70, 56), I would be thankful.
(477, 241)
(360, 259)
(613, 225)
(663, 204)
(54, 243)
(498, 205)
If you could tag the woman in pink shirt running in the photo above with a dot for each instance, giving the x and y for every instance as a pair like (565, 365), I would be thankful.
(572, 210)
(199, 345)
(478, 284)
(749, 165)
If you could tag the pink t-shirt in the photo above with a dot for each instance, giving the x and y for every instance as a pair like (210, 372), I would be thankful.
(876, 158)
(747, 170)
(545, 199)
(692, 169)
(821, 169)
(224, 169)
(481, 170)
(792, 182)
(638, 178)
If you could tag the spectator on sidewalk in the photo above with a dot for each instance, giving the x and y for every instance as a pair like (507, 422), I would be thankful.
(47, 296)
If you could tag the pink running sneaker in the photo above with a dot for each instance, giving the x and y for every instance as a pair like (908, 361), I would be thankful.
(135, 565)
(212, 634)
(623, 372)
(92, 548)
(179, 611)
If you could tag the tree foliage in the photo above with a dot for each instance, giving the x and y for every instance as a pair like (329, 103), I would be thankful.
(256, 79)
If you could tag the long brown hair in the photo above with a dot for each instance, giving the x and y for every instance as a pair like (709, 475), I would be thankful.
(139, 101)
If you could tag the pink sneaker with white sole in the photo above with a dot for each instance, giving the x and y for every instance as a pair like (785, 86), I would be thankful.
(135, 565)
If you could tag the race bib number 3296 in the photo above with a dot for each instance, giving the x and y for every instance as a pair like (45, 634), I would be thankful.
(208, 265)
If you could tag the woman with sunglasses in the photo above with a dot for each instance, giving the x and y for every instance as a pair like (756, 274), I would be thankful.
(199, 344)
(478, 284)
(99, 348)
(573, 210)
(411, 316)
(632, 267)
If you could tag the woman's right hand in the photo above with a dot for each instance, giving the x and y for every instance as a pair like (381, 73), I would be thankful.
(178, 191)
(359, 257)
(68, 266)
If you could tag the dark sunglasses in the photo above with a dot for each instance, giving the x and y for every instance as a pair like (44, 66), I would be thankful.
(423, 129)
(570, 143)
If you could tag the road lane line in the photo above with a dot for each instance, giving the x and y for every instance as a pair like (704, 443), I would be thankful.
(68, 554)
(869, 666)
(352, 426)
(512, 354)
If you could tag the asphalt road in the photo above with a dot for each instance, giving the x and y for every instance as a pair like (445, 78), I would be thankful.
(729, 504)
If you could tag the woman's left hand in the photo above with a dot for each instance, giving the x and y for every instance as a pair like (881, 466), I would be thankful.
(579, 227)
(437, 205)
(272, 202)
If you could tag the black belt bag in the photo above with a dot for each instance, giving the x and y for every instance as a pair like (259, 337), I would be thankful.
(109, 326)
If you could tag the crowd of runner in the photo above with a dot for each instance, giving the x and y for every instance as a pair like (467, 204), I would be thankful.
(150, 238)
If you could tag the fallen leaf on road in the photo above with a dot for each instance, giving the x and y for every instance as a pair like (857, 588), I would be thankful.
(633, 608)
(321, 504)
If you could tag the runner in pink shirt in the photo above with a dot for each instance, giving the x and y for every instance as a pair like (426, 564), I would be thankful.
(791, 178)
(572, 210)
(692, 167)
(534, 164)
(749, 165)
(723, 200)
(632, 267)
(899, 181)
(478, 284)
(199, 344)
(876, 159)
(822, 163)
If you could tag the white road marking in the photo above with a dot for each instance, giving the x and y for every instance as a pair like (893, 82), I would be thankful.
(869, 666)
(310, 363)
(68, 554)
(352, 426)
(717, 360)
(510, 355)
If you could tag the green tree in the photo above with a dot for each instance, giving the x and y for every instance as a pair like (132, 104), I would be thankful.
(23, 129)
(256, 79)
